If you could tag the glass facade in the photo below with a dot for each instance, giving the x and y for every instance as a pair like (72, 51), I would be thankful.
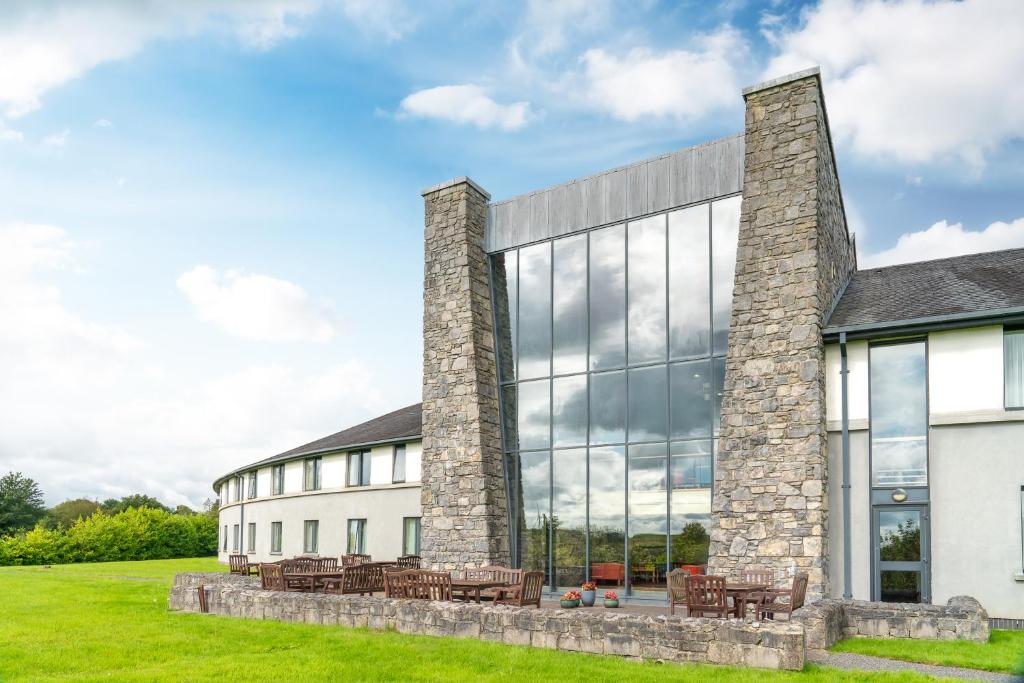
(611, 347)
(899, 415)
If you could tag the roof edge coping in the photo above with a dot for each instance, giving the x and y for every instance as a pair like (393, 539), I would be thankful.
(782, 80)
(457, 181)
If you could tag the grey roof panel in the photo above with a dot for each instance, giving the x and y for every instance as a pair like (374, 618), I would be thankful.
(960, 285)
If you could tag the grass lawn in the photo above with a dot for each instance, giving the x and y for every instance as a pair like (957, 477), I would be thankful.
(1003, 652)
(110, 621)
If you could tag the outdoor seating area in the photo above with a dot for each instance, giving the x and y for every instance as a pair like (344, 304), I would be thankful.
(753, 592)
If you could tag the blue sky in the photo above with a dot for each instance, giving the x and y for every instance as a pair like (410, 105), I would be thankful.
(210, 220)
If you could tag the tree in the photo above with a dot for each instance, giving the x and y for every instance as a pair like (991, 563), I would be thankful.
(136, 500)
(184, 510)
(211, 508)
(67, 513)
(690, 546)
(21, 503)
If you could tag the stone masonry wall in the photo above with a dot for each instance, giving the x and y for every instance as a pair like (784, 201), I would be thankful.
(778, 645)
(465, 513)
(770, 507)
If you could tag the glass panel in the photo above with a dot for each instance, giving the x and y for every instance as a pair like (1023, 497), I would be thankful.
(901, 586)
(899, 415)
(725, 227)
(608, 298)
(648, 404)
(691, 502)
(692, 399)
(505, 274)
(250, 538)
(648, 516)
(646, 297)
(534, 511)
(510, 413)
(607, 516)
(535, 311)
(411, 536)
(608, 407)
(569, 411)
(718, 370)
(1013, 368)
(308, 482)
(689, 302)
(899, 535)
(310, 540)
(275, 537)
(353, 469)
(569, 516)
(365, 461)
(534, 414)
(569, 303)
(398, 471)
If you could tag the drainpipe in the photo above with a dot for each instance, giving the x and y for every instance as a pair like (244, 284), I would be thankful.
(844, 372)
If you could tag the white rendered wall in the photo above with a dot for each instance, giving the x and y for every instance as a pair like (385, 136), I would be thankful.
(860, 515)
(965, 370)
(857, 364)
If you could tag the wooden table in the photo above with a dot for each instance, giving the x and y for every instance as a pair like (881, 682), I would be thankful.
(740, 592)
(472, 587)
(314, 579)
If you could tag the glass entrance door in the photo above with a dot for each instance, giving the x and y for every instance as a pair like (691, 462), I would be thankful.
(901, 557)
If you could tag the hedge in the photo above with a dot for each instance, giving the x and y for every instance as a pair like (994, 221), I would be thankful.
(135, 534)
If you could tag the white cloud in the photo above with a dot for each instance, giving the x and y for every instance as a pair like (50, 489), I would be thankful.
(943, 239)
(103, 123)
(549, 24)
(465, 104)
(57, 139)
(44, 45)
(913, 80)
(8, 134)
(257, 307)
(680, 84)
(91, 409)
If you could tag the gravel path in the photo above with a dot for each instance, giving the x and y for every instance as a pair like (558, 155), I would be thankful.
(851, 661)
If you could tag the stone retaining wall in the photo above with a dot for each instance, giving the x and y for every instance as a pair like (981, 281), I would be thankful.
(828, 621)
(598, 631)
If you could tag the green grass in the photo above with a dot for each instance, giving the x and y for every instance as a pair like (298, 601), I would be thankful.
(1003, 652)
(110, 621)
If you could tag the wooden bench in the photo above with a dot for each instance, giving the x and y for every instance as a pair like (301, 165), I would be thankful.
(360, 579)
(239, 564)
(418, 584)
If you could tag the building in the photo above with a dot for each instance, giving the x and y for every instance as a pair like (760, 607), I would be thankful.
(678, 362)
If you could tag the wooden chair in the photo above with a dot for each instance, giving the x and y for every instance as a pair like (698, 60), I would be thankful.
(782, 600)
(705, 596)
(301, 565)
(395, 583)
(272, 577)
(419, 584)
(527, 592)
(362, 579)
(759, 576)
(408, 562)
(354, 559)
(676, 583)
(239, 564)
(327, 564)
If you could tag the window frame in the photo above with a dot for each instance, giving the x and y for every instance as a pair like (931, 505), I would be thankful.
(239, 488)
(1008, 331)
(250, 541)
(902, 341)
(279, 528)
(313, 524)
(360, 537)
(365, 466)
(251, 493)
(236, 544)
(277, 480)
(394, 463)
(405, 535)
(316, 463)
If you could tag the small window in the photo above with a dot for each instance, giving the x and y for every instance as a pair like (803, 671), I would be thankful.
(239, 485)
(356, 537)
(411, 536)
(277, 479)
(252, 484)
(398, 469)
(1013, 368)
(251, 538)
(275, 538)
(224, 538)
(309, 537)
(359, 468)
(311, 474)
(234, 538)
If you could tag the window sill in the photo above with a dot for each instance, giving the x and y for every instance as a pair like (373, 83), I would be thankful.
(1019, 577)
(277, 553)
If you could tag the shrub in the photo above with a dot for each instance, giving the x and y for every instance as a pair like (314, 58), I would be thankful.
(134, 534)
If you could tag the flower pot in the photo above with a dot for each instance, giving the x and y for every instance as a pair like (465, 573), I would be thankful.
(589, 597)
(611, 603)
(569, 604)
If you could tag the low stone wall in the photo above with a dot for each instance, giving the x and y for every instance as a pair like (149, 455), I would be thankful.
(778, 645)
(828, 621)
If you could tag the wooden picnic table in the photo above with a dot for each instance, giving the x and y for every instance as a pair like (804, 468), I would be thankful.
(470, 588)
(740, 592)
(314, 579)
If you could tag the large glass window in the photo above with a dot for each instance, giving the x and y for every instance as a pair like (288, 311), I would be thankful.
(620, 335)
(899, 415)
(1013, 368)
(358, 468)
(311, 469)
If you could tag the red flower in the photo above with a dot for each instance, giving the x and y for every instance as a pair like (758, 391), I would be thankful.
(572, 595)
(611, 595)
(589, 586)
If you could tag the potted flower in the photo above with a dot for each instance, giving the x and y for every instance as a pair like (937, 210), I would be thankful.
(571, 599)
(611, 599)
(589, 593)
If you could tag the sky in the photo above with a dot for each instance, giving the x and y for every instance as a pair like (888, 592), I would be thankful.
(210, 212)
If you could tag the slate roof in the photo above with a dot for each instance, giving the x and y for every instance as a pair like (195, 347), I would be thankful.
(958, 286)
(403, 424)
